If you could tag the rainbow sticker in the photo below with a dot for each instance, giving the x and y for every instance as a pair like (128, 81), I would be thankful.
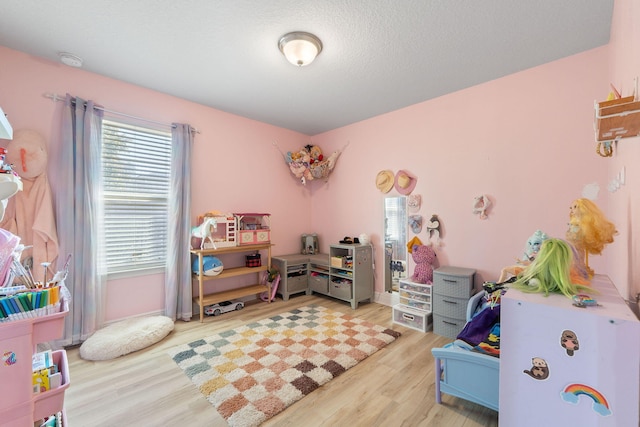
(572, 392)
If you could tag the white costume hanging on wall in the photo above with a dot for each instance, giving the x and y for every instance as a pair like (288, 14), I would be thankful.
(29, 214)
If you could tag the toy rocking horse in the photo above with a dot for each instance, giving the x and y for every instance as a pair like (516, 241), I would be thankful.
(203, 231)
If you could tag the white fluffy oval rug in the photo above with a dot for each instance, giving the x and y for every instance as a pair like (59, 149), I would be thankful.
(125, 336)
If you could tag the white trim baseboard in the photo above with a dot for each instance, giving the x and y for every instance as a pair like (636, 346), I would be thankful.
(150, 313)
(387, 298)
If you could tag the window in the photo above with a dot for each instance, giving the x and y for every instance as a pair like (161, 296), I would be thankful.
(136, 168)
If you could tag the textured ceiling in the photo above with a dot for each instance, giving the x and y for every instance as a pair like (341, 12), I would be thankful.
(379, 55)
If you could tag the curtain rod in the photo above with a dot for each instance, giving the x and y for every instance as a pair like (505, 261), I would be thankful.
(55, 97)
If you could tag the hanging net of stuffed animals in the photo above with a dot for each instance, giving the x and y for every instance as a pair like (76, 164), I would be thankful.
(310, 163)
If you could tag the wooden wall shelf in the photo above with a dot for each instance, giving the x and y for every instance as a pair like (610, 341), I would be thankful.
(618, 118)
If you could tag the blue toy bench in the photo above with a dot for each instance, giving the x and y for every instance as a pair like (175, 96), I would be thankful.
(466, 374)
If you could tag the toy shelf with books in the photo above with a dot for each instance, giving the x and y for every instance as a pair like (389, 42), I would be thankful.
(21, 403)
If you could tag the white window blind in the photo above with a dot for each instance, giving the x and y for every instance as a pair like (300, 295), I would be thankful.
(136, 167)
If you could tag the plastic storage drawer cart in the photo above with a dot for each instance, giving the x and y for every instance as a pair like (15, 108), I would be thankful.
(452, 287)
(414, 309)
(415, 295)
(412, 318)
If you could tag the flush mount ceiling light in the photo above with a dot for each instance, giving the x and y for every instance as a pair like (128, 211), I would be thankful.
(300, 48)
(70, 59)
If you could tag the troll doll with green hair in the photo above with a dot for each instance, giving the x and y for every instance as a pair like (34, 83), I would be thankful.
(556, 269)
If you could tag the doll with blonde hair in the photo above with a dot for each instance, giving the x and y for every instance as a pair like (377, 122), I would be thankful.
(589, 230)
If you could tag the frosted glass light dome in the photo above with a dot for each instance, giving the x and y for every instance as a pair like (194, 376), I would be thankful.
(300, 48)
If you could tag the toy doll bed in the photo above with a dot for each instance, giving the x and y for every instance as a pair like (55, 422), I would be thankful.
(464, 372)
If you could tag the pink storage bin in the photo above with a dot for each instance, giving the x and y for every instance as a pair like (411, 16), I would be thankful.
(18, 342)
(51, 402)
(16, 349)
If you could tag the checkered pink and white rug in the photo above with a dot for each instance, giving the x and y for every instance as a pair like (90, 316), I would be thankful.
(254, 372)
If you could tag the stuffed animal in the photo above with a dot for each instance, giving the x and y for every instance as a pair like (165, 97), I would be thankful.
(424, 257)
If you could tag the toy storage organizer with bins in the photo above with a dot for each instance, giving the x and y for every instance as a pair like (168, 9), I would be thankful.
(351, 273)
(19, 405)
(294, 274)
(346, 273)
(302, 273)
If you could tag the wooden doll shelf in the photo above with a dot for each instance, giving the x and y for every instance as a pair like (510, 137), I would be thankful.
(203, 299)
(618, 118)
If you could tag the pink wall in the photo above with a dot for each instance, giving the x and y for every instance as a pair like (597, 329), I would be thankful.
(236, 167)
(624, 66)
(526, 140)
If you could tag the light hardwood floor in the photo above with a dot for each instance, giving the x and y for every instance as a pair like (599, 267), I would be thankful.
(393, 387)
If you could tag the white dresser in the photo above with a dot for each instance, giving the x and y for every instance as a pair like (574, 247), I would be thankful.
(562, 365)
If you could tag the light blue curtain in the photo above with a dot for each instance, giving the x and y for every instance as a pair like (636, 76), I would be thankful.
(76, 187)
(178, 303)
